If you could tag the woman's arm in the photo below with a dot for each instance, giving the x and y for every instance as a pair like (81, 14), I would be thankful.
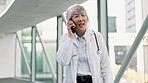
(64, 53)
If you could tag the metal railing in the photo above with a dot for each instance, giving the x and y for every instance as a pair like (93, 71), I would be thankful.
(132, 50)
(45, 52)
(47, 57)
(23, 54)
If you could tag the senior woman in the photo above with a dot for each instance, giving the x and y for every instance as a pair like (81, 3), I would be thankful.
(83, 51)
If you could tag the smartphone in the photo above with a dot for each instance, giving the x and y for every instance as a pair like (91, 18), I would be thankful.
(73, 29)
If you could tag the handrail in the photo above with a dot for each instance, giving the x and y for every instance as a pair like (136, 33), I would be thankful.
(132, 50)
(47, 57)
(24, 55)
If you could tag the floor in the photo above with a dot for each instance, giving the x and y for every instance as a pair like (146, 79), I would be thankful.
(14, 80)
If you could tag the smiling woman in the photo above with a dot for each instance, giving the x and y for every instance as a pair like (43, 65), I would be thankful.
(79, 53)
(77, 16)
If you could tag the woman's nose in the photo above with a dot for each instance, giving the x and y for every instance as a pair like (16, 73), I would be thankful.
(80, 18)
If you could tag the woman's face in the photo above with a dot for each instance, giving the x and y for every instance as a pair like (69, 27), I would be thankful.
(80, 20)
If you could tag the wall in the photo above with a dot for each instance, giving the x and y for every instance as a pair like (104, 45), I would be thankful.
(145, 48)
(145, 8)
(7, 56)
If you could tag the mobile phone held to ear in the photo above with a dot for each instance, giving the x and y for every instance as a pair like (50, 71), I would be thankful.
(73, 29)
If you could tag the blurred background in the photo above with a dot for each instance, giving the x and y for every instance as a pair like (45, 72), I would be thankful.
(30, 52)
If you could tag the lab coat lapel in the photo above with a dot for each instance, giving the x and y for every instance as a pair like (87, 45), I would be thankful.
(89, 35)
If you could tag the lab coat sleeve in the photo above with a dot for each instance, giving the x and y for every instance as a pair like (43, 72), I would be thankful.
(64, 52)
(105, 61)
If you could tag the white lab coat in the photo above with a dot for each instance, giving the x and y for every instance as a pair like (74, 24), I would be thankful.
(99, 63)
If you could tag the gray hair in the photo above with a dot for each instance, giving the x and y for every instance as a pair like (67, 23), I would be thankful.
(75, 8)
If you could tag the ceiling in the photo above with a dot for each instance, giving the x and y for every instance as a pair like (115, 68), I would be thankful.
(26, 13)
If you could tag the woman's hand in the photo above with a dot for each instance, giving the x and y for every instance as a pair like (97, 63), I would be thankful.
(69, 25)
